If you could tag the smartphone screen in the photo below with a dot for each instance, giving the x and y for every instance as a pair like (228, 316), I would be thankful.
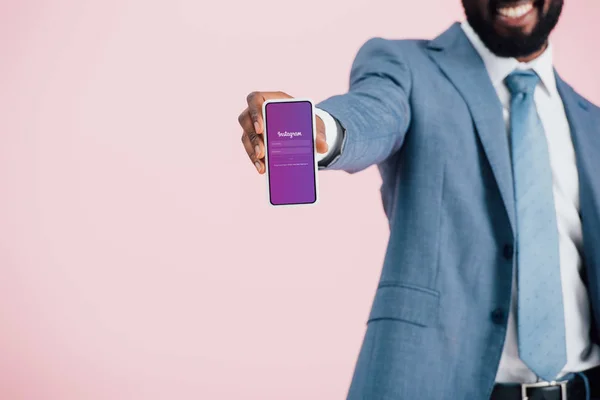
(290, 146)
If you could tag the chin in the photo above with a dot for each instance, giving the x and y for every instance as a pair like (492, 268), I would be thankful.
(515, 28)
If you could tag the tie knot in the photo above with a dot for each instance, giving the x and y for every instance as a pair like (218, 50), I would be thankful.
(522, 82)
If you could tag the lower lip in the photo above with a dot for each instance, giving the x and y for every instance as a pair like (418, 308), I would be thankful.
(517, 22)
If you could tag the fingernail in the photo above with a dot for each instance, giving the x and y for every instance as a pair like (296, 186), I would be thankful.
(257, 150)
(256, 126)
(257, 165)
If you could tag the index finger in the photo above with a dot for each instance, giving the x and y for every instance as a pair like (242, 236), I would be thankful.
(255, 102)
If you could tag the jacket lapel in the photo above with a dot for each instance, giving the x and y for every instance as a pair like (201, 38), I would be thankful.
(463, 66)
(586, 140)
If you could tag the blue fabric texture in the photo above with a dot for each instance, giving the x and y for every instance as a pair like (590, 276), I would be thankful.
(427, 115)
(540, 328)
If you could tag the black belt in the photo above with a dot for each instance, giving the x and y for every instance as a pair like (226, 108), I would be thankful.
(571, 389)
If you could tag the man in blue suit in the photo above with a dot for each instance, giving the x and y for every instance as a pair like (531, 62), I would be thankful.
(491, 282)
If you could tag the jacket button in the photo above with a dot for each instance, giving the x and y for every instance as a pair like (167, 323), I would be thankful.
(498, 316)
(508, 251)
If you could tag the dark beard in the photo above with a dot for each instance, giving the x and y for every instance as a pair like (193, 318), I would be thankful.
(516, 44)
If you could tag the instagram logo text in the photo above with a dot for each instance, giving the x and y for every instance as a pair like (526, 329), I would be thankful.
(291, 135)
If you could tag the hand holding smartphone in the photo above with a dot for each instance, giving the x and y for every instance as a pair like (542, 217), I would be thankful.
(290, 159)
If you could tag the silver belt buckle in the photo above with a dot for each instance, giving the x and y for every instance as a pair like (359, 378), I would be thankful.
(562, 384)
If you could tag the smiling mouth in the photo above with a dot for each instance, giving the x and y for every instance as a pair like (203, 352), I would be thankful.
(516, 14)
(515, 10)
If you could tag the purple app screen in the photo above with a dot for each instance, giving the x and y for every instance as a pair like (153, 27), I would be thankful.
(291, 153)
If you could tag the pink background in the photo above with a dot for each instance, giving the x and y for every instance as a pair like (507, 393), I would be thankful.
(132, 225)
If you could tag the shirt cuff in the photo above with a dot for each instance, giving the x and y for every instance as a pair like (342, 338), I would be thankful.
(334, 136)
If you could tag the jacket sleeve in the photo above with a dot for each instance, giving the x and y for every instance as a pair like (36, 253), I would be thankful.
(375, 113)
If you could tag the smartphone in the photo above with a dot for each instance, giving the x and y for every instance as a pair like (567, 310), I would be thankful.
(290, 155)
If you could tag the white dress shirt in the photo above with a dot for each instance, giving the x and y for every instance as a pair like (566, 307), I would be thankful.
(582, 354)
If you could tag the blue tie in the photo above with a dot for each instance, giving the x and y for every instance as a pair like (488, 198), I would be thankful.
(540, 311)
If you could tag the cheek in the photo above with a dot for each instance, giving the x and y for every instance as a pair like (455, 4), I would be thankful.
(549, 5)
(546, 7)
(484, 8)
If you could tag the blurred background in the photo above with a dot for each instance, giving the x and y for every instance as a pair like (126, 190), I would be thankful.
(137, 254)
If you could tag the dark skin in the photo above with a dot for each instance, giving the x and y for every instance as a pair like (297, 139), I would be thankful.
(252, 123)
(505, 26)
(251, 119)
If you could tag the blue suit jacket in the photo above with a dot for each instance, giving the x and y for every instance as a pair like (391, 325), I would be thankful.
(427, 114)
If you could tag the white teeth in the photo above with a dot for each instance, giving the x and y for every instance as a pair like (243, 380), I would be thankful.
(515, 12)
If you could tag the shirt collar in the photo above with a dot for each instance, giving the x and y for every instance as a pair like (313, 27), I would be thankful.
(499, 68)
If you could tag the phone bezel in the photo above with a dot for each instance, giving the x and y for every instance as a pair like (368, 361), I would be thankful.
(314, 142)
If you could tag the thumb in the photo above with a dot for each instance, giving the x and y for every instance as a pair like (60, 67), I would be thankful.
(321, 142)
